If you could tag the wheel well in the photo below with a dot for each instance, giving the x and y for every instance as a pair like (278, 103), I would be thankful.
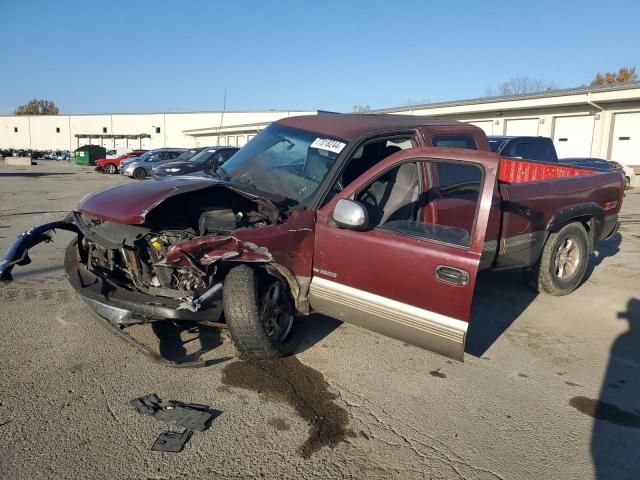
(592, 224)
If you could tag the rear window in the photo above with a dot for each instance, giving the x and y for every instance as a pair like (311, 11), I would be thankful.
(518, 150)
(454, 141)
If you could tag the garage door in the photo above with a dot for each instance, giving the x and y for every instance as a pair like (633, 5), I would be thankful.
(145, 143)
(625, 146)
(526, 127)
(573, 136)
(487, 126)
(107, 143)
(121, 143)
(133, 143)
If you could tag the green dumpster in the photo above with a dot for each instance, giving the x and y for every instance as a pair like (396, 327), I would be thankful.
(88, 154)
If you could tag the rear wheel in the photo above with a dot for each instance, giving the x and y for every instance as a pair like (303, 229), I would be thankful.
(563, 263)
(139, 173)
(110, 168)
(259, 313)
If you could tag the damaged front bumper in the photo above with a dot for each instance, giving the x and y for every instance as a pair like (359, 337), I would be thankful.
(116, 305)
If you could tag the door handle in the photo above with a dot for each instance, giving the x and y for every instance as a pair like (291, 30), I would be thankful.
(452, 275)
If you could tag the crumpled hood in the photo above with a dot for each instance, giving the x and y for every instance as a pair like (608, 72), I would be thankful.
(130, 203)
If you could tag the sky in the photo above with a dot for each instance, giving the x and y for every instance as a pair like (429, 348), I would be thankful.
(157, 56)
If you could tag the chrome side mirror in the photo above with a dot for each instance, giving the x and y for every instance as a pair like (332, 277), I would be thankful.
(350, 214)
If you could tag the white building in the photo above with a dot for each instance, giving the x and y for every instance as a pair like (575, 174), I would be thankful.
(136, 130)
(602, 122)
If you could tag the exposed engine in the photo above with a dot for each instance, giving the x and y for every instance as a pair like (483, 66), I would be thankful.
(135, 255)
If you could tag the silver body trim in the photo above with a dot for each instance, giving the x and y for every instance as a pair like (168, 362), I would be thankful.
(423, 328)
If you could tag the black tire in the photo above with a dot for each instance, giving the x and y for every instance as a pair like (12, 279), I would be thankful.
(139, 173)
(110, 168)
(244, 299)
(627, 183)
(563, 263)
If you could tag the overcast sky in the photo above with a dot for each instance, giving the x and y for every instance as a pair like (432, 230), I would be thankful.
(144, 56)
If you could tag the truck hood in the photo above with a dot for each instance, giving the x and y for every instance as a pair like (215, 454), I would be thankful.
(130, 203)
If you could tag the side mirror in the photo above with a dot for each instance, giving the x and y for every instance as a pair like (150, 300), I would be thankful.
(351, 215)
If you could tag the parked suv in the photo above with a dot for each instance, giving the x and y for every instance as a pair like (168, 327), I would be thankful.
(142, 166)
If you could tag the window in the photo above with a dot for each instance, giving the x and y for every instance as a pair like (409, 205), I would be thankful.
(365, 157)
(104, 129)
(57, 129)
(157, 129)
(440, 207)
(518, 150)
(15, 129)
(454, 141)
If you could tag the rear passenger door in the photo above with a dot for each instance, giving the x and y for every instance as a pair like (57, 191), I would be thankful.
(411, 273)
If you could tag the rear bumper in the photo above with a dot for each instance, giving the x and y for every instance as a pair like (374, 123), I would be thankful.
(122, 306)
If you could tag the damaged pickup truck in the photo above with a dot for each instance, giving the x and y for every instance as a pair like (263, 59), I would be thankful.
(379, 220)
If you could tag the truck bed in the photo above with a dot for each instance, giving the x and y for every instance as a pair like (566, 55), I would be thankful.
(536, 197)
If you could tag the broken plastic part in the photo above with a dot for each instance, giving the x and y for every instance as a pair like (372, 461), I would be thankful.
(187, 415)
(171, 441)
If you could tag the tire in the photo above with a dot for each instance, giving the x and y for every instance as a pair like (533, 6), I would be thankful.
(563, 263)
(139, 173)
(627, 183)
(246, 304)
(110, 168)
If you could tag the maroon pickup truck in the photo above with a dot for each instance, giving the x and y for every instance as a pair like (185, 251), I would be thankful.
(378, 220)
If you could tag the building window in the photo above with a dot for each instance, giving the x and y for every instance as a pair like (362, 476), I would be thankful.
(157, 129)
(57, 129)
(104, 129)
(15, 129)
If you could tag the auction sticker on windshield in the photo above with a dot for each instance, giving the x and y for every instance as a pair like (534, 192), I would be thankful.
(328, 144)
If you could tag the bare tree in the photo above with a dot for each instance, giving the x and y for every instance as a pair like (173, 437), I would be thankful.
(519, 86)
(37, 107)
(361, 108)
(625, 74)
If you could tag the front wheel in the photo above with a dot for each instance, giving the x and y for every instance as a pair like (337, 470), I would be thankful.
(259, 313)
(563, 263)
(139, 173)
(110, 168)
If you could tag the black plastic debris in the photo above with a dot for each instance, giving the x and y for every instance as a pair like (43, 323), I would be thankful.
(191, 416)
(171, 441)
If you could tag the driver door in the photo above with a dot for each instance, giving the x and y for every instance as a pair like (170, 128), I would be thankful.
(409, 273)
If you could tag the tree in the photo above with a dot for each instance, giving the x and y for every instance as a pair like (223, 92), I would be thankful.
(519, 86)
(361, 108)
(625, 74)
(37, 107)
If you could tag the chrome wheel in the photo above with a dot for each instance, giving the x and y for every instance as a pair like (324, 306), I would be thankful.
(567, 258)
(110, 168)
(276, 312)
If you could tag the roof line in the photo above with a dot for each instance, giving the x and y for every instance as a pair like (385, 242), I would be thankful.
(163, 113)
(524, 96)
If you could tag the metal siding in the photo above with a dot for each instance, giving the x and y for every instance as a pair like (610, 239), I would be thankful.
(573, 136)
(625, 144)
(522, 127)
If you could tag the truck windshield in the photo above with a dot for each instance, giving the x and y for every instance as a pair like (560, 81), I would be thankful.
(284, 161)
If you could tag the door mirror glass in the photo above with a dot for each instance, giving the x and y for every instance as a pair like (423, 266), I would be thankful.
(350, 214)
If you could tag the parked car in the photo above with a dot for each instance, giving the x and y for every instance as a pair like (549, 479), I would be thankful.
(208, 159)
(117, 152)
(141, 167)
(112, 165)
(601, 164)
(357, 217)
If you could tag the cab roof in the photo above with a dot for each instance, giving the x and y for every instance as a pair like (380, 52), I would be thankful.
(354, 125)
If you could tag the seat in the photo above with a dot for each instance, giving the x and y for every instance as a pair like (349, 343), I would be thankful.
(393, 196)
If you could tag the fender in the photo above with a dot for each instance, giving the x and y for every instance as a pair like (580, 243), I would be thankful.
(591, 211)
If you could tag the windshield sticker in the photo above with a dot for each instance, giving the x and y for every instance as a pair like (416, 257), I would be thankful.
(328, 144)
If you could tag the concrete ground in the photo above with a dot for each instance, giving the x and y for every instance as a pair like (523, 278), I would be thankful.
(549, 389)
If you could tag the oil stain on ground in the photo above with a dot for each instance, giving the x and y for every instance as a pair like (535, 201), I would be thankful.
(437, 373)
(606, 412)
(287, 380)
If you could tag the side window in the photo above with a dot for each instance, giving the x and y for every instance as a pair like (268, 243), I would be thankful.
(519, 150)
(226, 155)
(443, 209)
(365, 157)
(454, 141)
